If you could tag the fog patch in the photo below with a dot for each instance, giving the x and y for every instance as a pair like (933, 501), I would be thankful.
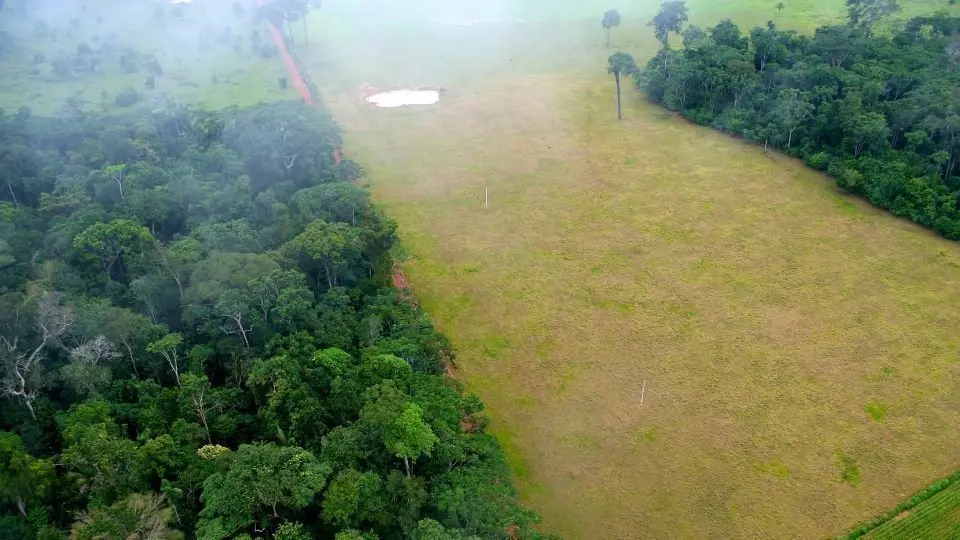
(402, 98)
(475, 22)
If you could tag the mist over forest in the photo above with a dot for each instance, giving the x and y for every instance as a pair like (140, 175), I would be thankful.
(463, 269)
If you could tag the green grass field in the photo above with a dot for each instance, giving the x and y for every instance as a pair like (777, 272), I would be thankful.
(935, 518)
(189, 65)
(794, 347)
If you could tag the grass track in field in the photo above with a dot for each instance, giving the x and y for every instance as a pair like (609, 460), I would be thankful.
(772, 317)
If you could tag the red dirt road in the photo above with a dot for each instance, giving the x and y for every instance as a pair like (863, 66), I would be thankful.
(399, 279)
(288, 62)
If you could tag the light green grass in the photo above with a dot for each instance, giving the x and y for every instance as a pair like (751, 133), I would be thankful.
(189, 67)
(763, 309)
(937, 518)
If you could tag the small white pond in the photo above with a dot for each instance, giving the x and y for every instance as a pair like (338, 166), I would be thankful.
(399, 98)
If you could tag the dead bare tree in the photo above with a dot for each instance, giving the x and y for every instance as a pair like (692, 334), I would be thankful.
(94, 351)
(198, 390)
(167, 347)
(53, 319)
(237, 318)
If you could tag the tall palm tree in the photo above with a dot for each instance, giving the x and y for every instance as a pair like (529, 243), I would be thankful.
(611, 19)
(618, 64)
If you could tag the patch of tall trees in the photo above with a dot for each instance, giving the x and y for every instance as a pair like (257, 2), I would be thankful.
(879, 113)
(198, 339)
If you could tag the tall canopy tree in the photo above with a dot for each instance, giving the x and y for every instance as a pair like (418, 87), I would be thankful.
(409, 436)
(261, 480)
(23, 478)
(670, 18)
(620, 64)
(611, 19)
(326, 250)
(113, 244)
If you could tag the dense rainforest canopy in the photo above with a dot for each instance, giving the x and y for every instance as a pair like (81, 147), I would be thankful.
(198, 339)
(880, 113)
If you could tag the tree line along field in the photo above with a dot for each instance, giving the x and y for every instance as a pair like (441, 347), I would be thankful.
(776, 322)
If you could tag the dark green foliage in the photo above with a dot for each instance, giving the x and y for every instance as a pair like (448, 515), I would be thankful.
(915, 500)
(127, 97)
(199, 306)
(670, 18)
(877, 113)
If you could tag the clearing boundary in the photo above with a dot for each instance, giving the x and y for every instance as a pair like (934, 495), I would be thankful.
(399, 279)
(868, 527)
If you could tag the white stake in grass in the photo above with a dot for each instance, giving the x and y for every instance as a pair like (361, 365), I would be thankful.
(643, 391)
(486, 197)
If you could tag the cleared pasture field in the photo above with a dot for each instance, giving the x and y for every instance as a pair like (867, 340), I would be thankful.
(200, 72)
(789, 336)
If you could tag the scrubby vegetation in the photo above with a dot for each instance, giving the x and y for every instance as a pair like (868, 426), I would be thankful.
(877, 112)
(198, 340)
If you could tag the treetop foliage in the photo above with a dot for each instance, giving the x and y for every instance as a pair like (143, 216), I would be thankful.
(198, 339)
(879, 113)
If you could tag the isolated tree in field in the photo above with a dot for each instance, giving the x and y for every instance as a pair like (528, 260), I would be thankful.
(618, 64)
(780, 6)
(864, 14)
(671, 17)
(611, 19)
